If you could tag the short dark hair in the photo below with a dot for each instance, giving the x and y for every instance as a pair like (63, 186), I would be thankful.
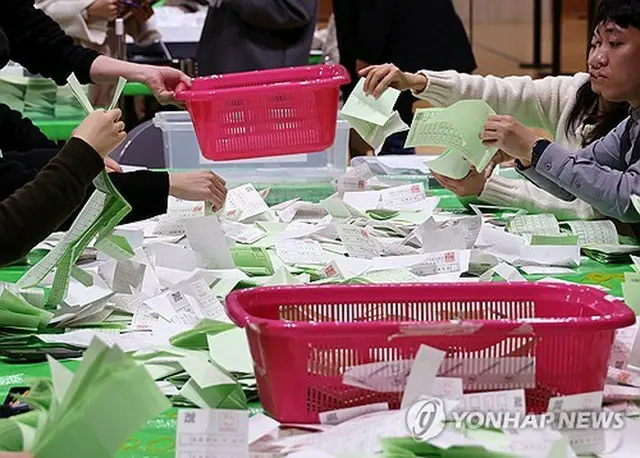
(624, 13)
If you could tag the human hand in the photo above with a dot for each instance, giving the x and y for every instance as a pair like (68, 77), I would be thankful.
(360, 64)
(500, 158)
(381, 77)
(102, 130)
(162, 81)
(471, 185)
(201, 185)
(510, 136)
(103, 9)
(112, 166)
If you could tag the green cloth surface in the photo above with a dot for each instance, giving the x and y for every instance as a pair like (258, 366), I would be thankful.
(157, 438)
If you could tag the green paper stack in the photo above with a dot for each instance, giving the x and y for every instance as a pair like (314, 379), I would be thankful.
(12, 92)
(40, 98)
(16, 312)
(91, 412)
(67, 106)
(611, 254)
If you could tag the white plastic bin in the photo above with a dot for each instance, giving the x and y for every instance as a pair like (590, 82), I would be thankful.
(181, 152)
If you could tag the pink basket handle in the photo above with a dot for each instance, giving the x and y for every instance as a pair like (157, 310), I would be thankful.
(180, 89)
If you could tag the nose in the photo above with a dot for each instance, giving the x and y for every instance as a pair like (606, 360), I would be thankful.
(598, 59)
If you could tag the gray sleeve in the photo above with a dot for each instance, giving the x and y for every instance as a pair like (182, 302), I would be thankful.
(540, 181)
(595, 174)
(274, 14)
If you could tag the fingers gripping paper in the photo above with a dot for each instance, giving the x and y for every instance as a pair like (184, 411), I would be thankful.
(101, 214)
(373, 119)
(458, 129)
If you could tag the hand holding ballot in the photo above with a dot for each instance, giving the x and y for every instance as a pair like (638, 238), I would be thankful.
(102, 130)
(470, 186)
(199, 185)
(509, 135)
(378, 78)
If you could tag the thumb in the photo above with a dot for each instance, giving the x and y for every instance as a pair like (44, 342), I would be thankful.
(185, 79)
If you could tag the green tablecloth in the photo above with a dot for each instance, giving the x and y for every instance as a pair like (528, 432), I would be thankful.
(157, 438)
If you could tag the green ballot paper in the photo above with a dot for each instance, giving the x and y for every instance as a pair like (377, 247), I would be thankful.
(15, 312)
(96, 409)
(456, 128)
(196, 338)
(373, 119)
(252, 260)
(101, 214)
(450, 164)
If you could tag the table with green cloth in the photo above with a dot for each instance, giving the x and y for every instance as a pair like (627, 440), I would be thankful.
(157, 438)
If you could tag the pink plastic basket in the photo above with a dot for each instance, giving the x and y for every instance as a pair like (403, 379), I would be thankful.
(303, 339)
(265, 113)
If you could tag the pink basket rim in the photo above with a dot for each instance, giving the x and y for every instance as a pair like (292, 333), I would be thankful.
(615, 313)
(328, 76)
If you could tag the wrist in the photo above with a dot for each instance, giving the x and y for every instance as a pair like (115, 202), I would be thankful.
(526, 148)
(419, 82)
(107, 69)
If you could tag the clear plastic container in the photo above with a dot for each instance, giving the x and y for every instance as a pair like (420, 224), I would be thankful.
(181, 152)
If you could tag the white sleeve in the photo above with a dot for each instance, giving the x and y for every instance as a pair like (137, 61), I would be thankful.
(519, 193)
(536, 103)
(68, 15)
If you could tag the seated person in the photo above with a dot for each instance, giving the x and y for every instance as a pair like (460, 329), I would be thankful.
(90, 24)
(606, 173)
(570, 107)
(26, 151)
(34, 210)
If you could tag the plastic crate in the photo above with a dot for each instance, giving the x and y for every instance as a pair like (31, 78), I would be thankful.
(265, 113)
(181, 152)
(303, 339)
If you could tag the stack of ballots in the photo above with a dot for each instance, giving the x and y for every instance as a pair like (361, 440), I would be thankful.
(12, 92)
(40, 98)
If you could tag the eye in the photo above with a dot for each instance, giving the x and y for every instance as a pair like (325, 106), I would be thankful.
(615, 44)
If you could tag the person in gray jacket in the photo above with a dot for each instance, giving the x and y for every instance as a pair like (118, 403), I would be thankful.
(606, 174)
(245, 35)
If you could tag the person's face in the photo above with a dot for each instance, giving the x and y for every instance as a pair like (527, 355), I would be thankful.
(614, 63)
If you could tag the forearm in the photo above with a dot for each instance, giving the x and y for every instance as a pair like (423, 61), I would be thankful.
(18, 133)
(520, 193)
(30, 214)
(107, 70)
(35, 159)
(535, 103)
(40, 45)
(607, 189)
(147, 192)
(531, 174)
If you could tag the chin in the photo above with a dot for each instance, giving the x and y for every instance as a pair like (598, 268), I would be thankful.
(611, 96)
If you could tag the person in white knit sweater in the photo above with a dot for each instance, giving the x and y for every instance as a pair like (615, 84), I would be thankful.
(90, 24)
(565, 106)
